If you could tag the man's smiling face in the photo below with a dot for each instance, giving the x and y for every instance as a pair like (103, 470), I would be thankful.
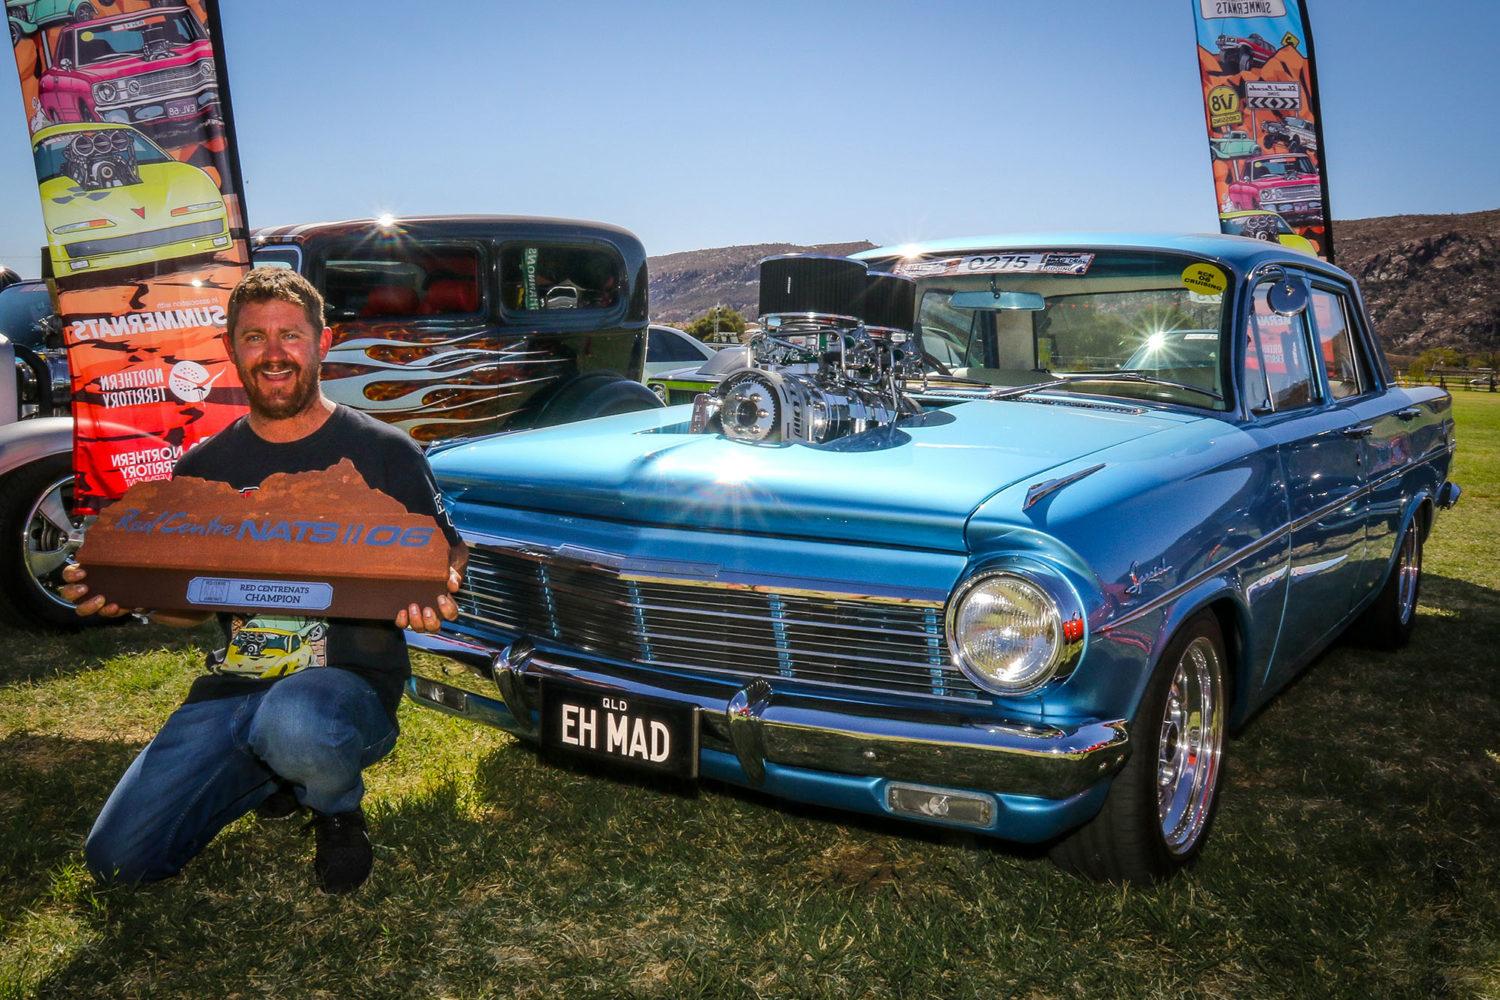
(278, 353)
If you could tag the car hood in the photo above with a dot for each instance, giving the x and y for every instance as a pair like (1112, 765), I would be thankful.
(914, 485)
(131, 208)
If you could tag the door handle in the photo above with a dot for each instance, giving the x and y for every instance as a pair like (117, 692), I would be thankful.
(1361, 431)
(1409, 413)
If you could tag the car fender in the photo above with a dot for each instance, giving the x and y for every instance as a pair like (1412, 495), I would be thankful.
(28, 441)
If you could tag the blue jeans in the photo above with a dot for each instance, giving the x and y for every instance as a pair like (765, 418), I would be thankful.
(216, 760)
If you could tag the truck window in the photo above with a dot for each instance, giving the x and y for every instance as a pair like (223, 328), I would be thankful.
(537, 277)
(402, 279)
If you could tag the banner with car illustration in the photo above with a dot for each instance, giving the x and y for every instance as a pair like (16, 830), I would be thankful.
(1260, 101)
(126, 107)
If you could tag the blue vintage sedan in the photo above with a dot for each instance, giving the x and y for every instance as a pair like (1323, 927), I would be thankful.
(1003, 535)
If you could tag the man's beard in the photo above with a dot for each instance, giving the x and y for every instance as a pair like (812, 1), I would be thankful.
(304, 390)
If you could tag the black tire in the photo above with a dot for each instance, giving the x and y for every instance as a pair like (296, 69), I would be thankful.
(85, 12)
(1244, 62)
(15, 34)
(1294, 145)
(1129, 840)
(28, 597)
(1388, 623)
(597, 394)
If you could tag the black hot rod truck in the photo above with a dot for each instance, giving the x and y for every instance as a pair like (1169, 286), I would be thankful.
(446, 326)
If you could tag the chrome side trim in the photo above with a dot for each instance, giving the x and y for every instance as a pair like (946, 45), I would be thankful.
(1268, 539)
(1040, 491)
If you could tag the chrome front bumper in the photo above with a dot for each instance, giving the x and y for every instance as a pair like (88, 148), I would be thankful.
(760, 725)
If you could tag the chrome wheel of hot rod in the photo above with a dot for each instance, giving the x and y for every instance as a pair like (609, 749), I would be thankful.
(1189, 746)
(38, 535)
(1159, 809)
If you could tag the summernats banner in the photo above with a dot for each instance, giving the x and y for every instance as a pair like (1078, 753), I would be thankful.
(127, 108)
(1260, 101)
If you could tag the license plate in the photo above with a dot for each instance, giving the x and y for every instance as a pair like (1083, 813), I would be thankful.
(176, 109)
(640, 733)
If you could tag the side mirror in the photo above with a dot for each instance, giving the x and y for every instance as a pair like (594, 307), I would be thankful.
(1288, 296)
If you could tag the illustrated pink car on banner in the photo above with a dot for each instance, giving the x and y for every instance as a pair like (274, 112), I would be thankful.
(149, 69)
(1285, 183)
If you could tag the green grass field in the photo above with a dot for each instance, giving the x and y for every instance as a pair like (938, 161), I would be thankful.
(1357, 852)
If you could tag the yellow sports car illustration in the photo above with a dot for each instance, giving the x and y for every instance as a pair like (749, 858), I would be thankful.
(271, 646)
(112, 198)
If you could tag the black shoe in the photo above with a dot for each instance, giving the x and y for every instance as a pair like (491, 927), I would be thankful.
(280, 804)
(343, 855)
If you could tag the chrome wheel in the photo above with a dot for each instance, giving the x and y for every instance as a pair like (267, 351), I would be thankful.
(1408, 570)
(1190, 746)
(50, 537)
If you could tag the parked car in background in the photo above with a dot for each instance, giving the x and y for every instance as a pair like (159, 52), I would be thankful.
(1285, 183)
(1262, 225)
(669, 348)
(1026, 592)
(444, 326)
(151, 69)
(682, 385)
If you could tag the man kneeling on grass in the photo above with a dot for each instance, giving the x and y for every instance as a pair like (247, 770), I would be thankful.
(244, 740)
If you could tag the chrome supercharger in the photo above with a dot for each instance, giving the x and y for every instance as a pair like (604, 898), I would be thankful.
(835, 349)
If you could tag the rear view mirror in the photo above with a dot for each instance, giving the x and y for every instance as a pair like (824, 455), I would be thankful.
(1018, 301)
(1288, 296)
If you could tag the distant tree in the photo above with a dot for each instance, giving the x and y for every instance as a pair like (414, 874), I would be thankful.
(720, 319)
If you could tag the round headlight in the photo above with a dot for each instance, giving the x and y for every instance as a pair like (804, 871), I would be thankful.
(1006, 633)
(105, 92)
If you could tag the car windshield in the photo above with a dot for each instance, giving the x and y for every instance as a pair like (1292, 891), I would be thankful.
(51, 153)
(153, 36)
(1139, 324)
(1281, 166)
(23, 308)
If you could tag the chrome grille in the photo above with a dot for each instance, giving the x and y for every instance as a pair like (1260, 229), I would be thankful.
(165, 82)
(850, 642)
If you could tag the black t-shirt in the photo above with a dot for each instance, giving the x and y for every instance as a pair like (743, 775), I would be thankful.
(261, 649)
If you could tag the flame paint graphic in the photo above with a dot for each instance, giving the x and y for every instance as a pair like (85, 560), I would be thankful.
(439, 389)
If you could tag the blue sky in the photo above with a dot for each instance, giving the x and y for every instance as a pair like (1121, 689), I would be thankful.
(705, 124)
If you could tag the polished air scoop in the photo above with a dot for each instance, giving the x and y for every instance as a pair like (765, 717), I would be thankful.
(830, 360)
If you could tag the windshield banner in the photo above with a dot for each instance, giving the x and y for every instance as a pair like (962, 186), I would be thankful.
(127, 108)
(1265, 135)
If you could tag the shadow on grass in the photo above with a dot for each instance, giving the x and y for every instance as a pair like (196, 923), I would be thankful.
(34, 657)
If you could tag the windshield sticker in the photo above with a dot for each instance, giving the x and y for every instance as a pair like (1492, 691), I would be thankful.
(999, 263)
(1204, 279)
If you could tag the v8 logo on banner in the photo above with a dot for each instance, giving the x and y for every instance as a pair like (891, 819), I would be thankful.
(127, 108)
(1261, 109)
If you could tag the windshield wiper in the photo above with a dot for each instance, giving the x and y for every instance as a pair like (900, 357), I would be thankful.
(1120, 376)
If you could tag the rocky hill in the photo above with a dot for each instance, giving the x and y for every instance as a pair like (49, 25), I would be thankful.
(1429, 280)
(685, 285)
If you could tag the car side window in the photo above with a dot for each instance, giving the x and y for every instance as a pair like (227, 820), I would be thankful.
(670, 347)
(409, 279)
(1336, 344)
(946, 331)
(1277, 356)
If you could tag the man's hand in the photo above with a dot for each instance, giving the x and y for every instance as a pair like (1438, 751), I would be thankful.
(425, 619)
(83, 602)
(97, 604)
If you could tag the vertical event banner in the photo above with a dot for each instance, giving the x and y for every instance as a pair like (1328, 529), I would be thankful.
(1265, 138)
(128, 112)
